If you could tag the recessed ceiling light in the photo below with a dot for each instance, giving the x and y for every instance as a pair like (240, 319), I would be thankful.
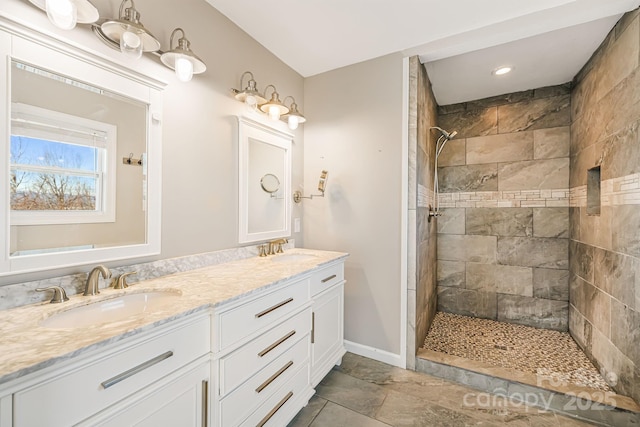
(502, 70)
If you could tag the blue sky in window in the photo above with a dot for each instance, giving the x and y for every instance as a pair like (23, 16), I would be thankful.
(33, 151)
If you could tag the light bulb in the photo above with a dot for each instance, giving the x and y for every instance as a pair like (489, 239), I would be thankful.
(293, 122)
(274, 112)
(62, 13)
(184, 69)
(131, 44)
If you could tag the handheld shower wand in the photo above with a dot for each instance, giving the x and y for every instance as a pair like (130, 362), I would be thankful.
(440, 143)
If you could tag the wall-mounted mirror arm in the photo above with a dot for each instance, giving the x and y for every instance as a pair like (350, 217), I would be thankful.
(322, 184)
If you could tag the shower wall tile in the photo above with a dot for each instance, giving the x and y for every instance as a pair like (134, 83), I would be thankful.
(551, 143)
(454, 153)
(618, 154)
(499, 222)
(581, 260)
(467, 248)
(612, 360)
(580, 329)
(468, 178)
(616, 274)
(502, 279)
(467, 302)
(533, 252)
(626, 333)
(500, 148)
(540, 313)
(625, 223)
(451, 273)
(534, 174)
(470, 123)
(534, 114)
(452, 221)
(551, 284)
(551, 222)
(594, 305)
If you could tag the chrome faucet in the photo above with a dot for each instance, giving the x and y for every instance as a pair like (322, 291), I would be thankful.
(91, 287)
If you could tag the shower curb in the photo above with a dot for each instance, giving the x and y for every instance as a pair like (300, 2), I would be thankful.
(568, 404)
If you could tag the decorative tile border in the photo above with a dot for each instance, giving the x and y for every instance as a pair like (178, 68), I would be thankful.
(624, 190)
(506, 199)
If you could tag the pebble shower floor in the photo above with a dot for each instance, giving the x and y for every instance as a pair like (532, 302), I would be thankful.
(526, 349)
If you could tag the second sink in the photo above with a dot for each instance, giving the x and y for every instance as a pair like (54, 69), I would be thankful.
(110, 310)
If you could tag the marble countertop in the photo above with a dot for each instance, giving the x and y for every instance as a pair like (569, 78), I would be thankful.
(26, 347)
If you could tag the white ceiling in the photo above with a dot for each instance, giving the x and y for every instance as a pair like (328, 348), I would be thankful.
(460, 41)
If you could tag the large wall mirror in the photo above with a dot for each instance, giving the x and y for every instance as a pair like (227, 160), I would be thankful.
(264, 182)
(81, 157)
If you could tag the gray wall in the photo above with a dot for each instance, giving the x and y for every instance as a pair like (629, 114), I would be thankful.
(504, 180)
(355, 132)
(421, 296)
(604, 316)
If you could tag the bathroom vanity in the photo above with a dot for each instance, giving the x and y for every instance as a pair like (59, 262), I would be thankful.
(243, 344)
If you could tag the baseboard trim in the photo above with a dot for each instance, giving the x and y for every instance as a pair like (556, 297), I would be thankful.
(375, 354)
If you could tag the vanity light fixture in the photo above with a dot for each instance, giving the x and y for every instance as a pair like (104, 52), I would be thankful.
(182, 59)
(128, 32)
(66, 13)
(250, 94)
(274, 107)
(501, 71)
(293, 117)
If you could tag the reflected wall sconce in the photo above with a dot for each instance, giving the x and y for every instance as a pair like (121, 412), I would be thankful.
(66, 13)
(182, 59)
(322, 184)
(274, 107)
(128, 32)
(249, 95)
(293, 117)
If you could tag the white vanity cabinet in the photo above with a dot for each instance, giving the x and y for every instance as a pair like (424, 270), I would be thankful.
(327, 337)
(261, 357)
(154, 369)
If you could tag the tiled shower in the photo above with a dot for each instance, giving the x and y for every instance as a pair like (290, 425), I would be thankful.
(541, 191)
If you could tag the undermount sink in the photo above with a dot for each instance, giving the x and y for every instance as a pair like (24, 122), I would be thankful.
(292, 257)
(110, 310)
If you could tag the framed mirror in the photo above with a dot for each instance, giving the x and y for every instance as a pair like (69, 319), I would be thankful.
(264, 182)
(81, 156)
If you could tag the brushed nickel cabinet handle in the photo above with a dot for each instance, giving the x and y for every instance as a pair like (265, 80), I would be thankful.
(277, 343)
(205, 402)
(313, 327)
(325, 280)
(273, 377)
(275, 409)
(275, 307)
(136, 369)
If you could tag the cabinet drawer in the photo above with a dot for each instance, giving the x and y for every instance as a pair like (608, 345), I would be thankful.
(326, 278)
(241, 321)
(98, 382)
(238, 366)
(281, 406)
(259, 387)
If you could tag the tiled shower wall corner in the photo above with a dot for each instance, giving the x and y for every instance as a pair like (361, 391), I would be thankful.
(421, 296)
(604, 316)
(502, 246)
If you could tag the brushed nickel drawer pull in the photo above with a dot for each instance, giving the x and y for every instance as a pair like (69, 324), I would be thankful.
(277, 343)
(275, 409)
(333, 276)
(273, 377)
(275, 307)
(205, 403)
(313, 327)
(141, 367)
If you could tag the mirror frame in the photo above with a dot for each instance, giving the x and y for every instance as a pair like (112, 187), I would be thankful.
(248, 128)
(32, 47)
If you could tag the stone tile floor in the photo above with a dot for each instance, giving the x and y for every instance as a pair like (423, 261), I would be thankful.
(504, 345)
(366, 393)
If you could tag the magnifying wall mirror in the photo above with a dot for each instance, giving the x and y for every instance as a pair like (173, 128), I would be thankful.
(264, 182)
(70, 196)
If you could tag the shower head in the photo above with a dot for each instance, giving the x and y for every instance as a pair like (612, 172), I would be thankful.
(447, 135)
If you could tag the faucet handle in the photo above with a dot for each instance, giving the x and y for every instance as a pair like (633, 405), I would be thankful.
(59, 295)
(279, 251)
(121, 282)
(262, 251)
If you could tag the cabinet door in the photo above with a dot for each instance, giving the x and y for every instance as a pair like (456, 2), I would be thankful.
(327, 337)
(182, 402)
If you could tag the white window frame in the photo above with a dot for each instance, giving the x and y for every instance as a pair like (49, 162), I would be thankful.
(41, 123)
